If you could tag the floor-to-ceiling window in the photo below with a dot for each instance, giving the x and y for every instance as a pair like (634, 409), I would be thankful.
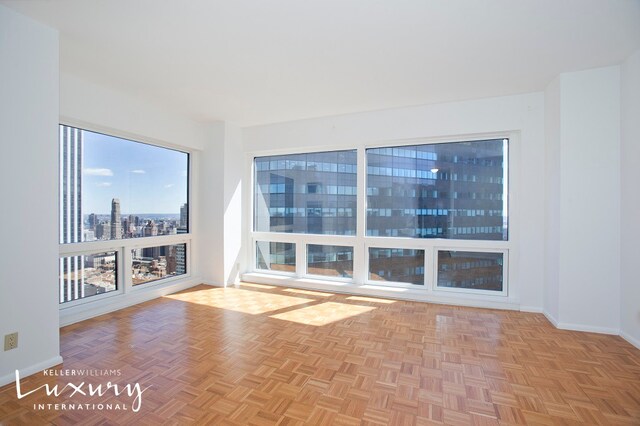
(421, 215)
(124, 215)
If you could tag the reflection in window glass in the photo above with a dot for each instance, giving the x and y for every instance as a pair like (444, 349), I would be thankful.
(276, 256)
(333, 261)
(113, 188)
(446, 190)
(306, 193)
(87, 275)
(155, 263)
(396, 265)
(470, 270)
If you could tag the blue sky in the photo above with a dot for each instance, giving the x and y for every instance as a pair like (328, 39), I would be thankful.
(145, 178)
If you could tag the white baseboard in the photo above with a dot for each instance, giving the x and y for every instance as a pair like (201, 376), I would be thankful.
(32, 369)
(580, 327)
(629, 338)
(551, 319)
(89, 310)
(588, 328)
(532, 309)
(209, 283)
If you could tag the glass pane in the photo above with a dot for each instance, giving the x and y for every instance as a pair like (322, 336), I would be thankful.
(87, 275)
(470, 270)
(333, 261)
(155, 263)
(113, 188)
(448, 190)
(396, 265)
(276, 256)
(306, 193)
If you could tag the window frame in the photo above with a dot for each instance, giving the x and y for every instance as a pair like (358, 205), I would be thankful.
(361, 242)
(505, 272)
(271, 271)
(122, 247)
(339, 279)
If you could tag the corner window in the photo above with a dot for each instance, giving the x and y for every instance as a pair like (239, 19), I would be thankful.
(111, 192)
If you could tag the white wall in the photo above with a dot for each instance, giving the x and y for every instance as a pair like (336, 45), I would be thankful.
(523, 113)
(590, 208)
(220, 205)
(552, 199)
(103, 107)
(28, 176)
(582, 280)
(233, 199)
(210, 212)
(630, 198)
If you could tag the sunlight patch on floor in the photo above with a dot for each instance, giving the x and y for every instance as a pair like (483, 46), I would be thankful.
(324, 313)
(239, 300)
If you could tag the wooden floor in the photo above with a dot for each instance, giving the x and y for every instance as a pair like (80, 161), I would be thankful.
(261, 355)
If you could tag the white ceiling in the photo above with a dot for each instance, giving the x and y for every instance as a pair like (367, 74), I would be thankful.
(262, 61)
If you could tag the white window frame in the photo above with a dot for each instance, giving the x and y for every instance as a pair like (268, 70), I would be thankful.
(505, 271)
(96, 304)
(361, 243)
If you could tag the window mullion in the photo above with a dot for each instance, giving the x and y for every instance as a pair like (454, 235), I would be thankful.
(301, 257)
(359, 249)
(124, 269)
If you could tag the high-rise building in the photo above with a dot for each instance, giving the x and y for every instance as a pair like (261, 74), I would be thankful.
(93, 221)
(116, 226)
(171, 260)
(181, 249)
(184, 217)
(103, 230)
(150, 229)
(70, 185)
(72, 278)
(181, 259)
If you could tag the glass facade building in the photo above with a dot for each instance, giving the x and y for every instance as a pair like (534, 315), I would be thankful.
(416, 200)
(306, 193)
(446, 190)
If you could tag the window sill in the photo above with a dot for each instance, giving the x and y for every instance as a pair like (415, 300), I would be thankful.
(418, 294)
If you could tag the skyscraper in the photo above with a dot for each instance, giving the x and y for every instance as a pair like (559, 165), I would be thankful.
(184, 217)
(150, 229)
(181, 249)
(70, 185)
(116, 226)
(71, 220)
(93, 221)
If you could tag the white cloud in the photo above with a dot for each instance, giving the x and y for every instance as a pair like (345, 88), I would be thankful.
(103, 184)
(168, 186)
(98, 172)
(138, 172)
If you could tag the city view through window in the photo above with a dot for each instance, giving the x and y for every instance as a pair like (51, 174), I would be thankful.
(436, 191)
(113, 189)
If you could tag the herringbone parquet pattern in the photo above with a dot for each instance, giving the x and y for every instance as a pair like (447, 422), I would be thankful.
(261, 355)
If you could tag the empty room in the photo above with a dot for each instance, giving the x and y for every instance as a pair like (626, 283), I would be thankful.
(322, 212)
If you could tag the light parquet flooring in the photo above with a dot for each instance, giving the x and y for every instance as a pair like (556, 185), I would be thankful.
(262, 355)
